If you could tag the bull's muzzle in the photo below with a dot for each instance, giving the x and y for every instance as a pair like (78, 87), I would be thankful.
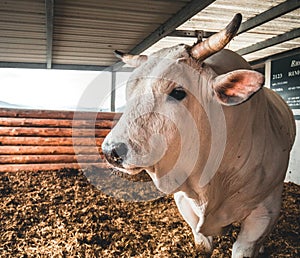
(115, 153)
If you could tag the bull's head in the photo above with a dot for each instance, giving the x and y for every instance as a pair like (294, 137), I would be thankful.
(172, 98)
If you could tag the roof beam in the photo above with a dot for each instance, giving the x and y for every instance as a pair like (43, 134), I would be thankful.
(49, 6)
(190, 33)
(81, 67)
(260, 61)
(57, 66)
(188, 11)
(62, 66)
(22, 65)
(295, 33)
(269, 15)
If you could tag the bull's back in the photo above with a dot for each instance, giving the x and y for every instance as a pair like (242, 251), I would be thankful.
(281, 119)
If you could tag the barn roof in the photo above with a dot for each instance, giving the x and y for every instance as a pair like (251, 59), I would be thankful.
(76, 34)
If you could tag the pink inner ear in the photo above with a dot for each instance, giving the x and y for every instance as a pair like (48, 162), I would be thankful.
(239, 83)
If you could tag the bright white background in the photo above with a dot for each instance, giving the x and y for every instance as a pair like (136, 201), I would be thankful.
(55, 89)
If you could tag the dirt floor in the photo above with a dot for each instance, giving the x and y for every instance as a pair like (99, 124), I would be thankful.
(61, 214)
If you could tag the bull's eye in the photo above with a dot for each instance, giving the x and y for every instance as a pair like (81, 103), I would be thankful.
(177, 94)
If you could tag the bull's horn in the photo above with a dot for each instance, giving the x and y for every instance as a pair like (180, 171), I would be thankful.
(216, 42)
(132, 60)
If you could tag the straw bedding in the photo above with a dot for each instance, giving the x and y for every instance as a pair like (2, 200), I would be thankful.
(61, 214)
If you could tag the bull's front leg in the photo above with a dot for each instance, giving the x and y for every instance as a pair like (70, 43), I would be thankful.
(257, 225)
(193, 214)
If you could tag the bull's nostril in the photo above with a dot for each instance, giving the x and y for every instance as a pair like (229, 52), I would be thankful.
(117, 153)
(120, 150)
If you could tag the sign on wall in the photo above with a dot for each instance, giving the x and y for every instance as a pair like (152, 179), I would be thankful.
(285, 79)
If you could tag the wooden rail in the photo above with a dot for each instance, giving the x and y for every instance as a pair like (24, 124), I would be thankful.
(32, 140)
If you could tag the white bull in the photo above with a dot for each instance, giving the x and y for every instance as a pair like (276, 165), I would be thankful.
(195, 125)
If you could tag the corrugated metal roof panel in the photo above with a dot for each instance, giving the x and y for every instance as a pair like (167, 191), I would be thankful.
(216, 16)
(154, 6)
(82, 61)
(93, 29)
(268, 30)
(22, 30)
(87, 32)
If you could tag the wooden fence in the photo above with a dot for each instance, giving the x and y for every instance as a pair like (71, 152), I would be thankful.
(32, 140)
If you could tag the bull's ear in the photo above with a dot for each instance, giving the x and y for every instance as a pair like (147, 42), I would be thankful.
(131, 60)
(236, 87)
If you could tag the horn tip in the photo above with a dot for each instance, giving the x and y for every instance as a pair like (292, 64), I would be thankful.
(119, 54)
(234, 25)
(238, 16)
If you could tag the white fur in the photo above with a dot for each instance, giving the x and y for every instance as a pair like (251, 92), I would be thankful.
(224, 164)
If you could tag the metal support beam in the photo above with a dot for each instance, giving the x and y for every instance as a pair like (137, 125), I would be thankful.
(269, 15)
(63, 67)
(260, 61)
(49, 6)
(295, 33)
(22, 65)
(118, 67)
(190, 33)
(56, 66)
(113, 91)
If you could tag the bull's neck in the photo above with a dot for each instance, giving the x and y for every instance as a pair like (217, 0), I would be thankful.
(245, 124)
(229, 139)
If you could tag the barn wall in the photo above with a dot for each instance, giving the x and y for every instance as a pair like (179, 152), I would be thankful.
(32, 140)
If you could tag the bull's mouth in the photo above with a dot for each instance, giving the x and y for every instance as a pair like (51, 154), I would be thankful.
(130, 170)
(141, 176)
